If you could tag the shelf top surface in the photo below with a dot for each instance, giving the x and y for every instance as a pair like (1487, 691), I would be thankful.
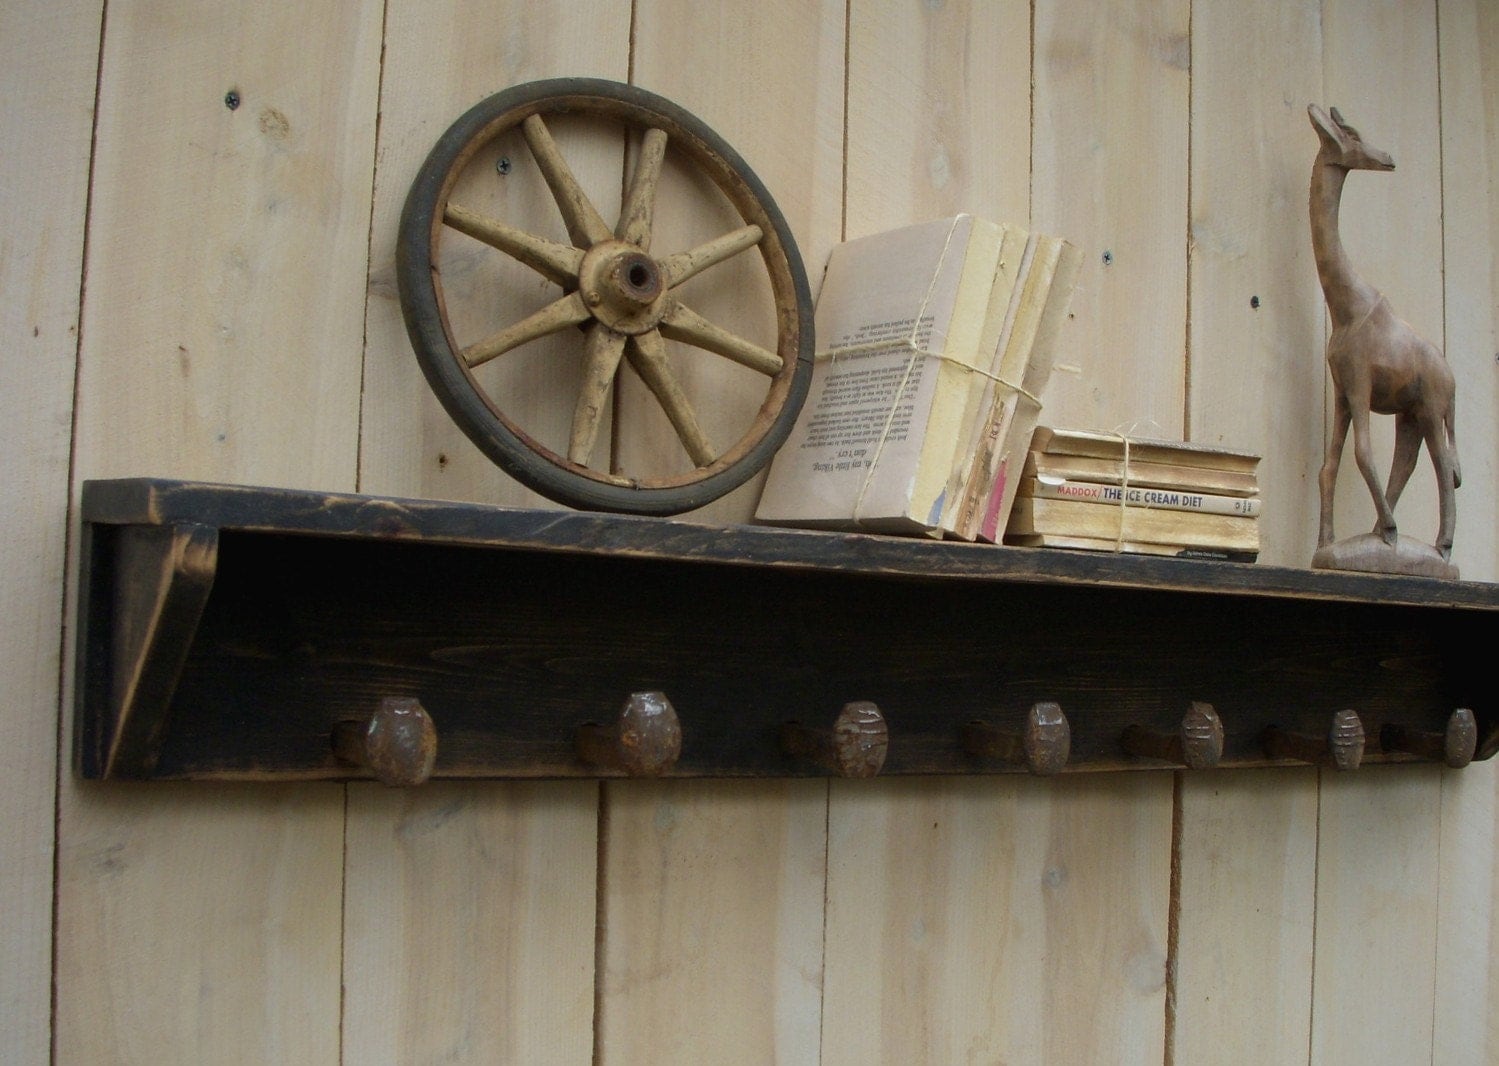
(252, 509)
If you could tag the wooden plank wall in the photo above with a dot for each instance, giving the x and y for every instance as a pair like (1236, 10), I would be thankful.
(198, 290)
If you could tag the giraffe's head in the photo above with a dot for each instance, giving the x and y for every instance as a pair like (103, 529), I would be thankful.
(1342, 146)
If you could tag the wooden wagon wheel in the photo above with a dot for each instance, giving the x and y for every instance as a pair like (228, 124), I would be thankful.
(621, 297)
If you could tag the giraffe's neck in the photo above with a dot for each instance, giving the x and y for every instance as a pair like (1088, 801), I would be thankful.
(1348, 295)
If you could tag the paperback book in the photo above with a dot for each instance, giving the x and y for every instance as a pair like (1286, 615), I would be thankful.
(927, 336)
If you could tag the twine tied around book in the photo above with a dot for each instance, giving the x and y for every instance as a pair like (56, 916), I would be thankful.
(914, 350)
(1126, 431)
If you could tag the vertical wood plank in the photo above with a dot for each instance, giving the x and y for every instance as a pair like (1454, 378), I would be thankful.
(1465, 1026)
(199, 924)
(1465, 1032)
(1380, 63)
(1248, 844)
(469, 933)
(980, 920)
(711, 935)
(939, 114)
(1378, 832)
(1243, 967)
(1469, 50)
(222, 339)
(469, 922)
(1110, 163)
(968, 921)
(48, 63)
(768, 79)
(440, 60)
(1376, 915)
(1257, 310)
(711, 918)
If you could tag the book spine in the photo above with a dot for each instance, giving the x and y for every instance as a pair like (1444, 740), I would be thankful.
(1004, 480)
(1055, 488)
(1081, 518)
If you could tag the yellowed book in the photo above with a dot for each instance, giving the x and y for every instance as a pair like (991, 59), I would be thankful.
(1054, 441)
(961, 354)
(1141, 473)
(1014, 421)
(1128, 547)
(1005, 298)
(1031, 515)
(897, 321)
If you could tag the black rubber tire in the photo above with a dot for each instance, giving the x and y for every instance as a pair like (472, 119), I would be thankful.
(482, 420)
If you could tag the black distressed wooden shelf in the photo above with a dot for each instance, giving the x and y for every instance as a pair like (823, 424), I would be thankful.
(227, 630)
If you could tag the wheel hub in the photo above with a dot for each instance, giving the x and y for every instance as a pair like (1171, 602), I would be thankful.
(624, 288)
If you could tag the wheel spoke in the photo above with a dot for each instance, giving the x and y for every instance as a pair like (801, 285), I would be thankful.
(584, 224)
(685, 324)
(556, 316)
(647, 354)
(640, 203)
(601, 352)
(683, 265)
(556, 262)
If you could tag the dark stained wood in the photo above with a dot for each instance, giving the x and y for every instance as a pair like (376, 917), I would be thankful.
(1042, 748)
(140, 615)
(855, 746)
(514, 627)
(397, 743)
(644, 741)
(1454, 746)
(1340, 747)
(1196, 744)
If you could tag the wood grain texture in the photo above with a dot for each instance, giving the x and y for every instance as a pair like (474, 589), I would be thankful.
(1380, 60)
(469, 927)
(1376, 915)
(437, 64)
(1243, 968)
(973, 922)
(1465, 1032)
(939, 116)
(1256, 313)
(1247, 847)
(711, 937)
(48, 60)
(1465, 1027)
(1377, 838)
(1110, 174)
(711, 922)
(526, 941)
(768, 79)
(1469, 50)
(199, 924)
(221, 336)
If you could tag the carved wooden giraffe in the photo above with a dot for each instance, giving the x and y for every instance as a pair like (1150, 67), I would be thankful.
(1378, 362)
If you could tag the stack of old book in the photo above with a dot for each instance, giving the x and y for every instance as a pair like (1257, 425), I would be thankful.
(1108, 492)
(935, 342)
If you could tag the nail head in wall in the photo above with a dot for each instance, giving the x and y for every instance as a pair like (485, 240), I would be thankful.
(502, 165)
(1108, 258)
(231, 99)
(1254, 302)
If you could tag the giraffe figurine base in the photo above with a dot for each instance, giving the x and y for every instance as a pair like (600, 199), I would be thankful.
(1369, 554)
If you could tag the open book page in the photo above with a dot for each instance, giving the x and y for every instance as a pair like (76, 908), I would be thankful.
(886, 300)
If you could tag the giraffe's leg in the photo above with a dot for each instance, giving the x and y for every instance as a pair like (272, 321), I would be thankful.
(1444, 459)
(1408, 433)
(1327, 480)
(1363, 454)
